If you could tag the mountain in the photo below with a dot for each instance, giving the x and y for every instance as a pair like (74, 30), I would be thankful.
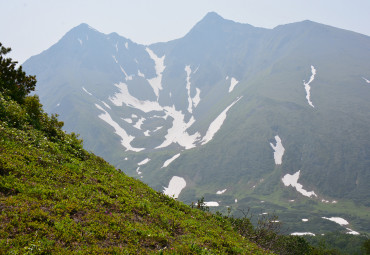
(276, 120)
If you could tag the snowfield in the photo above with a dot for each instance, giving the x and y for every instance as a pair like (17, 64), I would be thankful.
(278, 150)
(292, 180)
(175, 187)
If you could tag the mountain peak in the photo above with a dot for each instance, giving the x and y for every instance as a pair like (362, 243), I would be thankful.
(212, 16)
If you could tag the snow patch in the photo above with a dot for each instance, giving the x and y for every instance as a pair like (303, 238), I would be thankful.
(177, 133)
(146, 133)
(337, 220)
(124, 97)
(211, 203)
(175, 186)
(352, 232)
(308, 87)
(139, 123)
(196, 98)
(80, 40)
(367, 81)
(292, 180)
(126, 45)
(169, 161)
(304, 220)
(233, 83)
(116, 47)
(217, 123)
(156, 82)
(145, 161)
(278, 150)
(221, 192)
(128, 120)
(138, 171)
(302, 234)
(140, 74)
(125, 138)
(192, 101)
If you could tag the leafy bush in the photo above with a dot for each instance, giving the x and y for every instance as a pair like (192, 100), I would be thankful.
(13, 81)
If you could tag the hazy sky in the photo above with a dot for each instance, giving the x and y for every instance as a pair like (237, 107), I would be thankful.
(31, 26)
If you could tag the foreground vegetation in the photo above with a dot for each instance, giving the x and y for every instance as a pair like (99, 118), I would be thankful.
(55, 197)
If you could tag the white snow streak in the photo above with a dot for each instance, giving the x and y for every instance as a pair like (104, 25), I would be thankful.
(146, 133)
(156, 82)
(367, 81)
(337, 220)
(116, 47)
(157, 128)
(127, 77)
(278, 150)
(221, 192)
(125, 138)
(106, 105)
(80, 40)
(86, 91)
(143, 162)
(211, 203)
(302, 234)
(292, 180)
(175, 186)
(233, 83)
(190, 101)
(169, 161)
(217, 123)
(196, 98)
(304, 220)
(308, 87)
(126, 45)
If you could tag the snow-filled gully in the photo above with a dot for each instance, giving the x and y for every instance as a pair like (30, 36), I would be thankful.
(308, 87)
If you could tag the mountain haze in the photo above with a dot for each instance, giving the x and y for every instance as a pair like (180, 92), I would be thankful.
(272, 119)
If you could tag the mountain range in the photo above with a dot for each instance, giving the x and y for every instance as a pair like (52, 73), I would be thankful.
(275, 120)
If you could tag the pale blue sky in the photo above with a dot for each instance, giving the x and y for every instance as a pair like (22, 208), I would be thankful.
(31, 26)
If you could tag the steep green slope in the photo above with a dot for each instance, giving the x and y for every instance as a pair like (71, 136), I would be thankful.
(55, 197)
